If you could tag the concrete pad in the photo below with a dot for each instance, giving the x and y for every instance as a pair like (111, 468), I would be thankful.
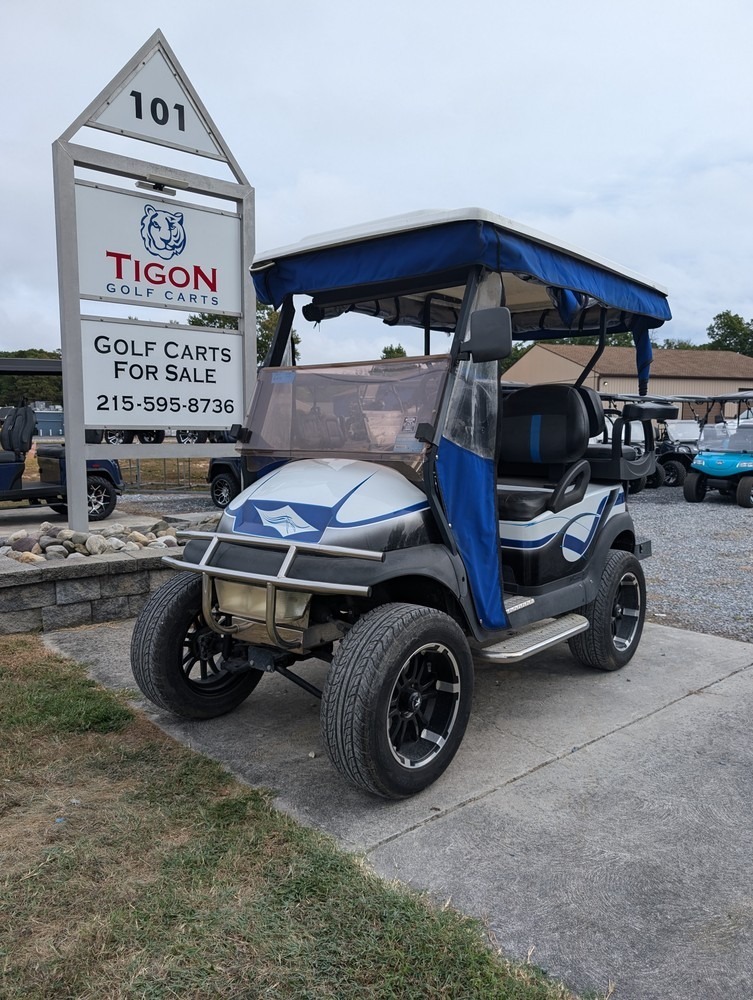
(584, 813)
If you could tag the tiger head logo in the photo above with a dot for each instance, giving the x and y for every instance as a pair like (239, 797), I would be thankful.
(163, 233)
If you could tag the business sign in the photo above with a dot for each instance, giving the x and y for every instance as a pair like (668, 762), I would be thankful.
(142, 376)
(145, 250)
(155, 104)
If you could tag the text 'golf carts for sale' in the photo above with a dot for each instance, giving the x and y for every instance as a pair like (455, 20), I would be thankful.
(416, 517)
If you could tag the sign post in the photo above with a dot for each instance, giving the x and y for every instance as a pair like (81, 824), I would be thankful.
(126, 238)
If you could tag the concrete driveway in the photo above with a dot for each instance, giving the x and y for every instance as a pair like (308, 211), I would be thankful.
(603, 820)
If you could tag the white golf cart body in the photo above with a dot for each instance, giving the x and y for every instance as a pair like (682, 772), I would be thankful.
(420, 483)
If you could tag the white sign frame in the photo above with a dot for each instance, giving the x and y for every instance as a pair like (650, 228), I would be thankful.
(156, 180)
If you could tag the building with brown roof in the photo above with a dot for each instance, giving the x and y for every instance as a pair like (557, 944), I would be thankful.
(673, 372)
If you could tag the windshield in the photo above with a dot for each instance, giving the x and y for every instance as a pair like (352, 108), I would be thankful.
(682, 430)
(363, 410)
(722, 437)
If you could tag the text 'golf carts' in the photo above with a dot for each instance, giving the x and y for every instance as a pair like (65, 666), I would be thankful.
(413, 521)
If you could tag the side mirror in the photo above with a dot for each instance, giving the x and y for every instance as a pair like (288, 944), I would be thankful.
(491, 335)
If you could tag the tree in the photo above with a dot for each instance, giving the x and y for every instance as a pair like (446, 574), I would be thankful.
(48, 388)
(730, 332)
(393, 351)
(518, 350)
(266, 323)
(677, 344)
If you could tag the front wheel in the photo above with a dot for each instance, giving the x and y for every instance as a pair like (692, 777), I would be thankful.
(637, 485)
(397, 698)
(674, 473)
(191, 437)
(224, 488)
(101, 497)
(616, 615)
(179, 662)
(744, 494)
(694, 487)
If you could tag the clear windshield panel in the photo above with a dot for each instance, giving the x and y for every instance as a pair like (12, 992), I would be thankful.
(682, 430)
(358, 410)
(714, 437)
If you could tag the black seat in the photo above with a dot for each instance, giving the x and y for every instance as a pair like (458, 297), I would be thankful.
(543, 436)
(18, 429)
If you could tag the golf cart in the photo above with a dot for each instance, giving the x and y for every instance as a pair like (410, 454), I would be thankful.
(103, 479)
(412, 523)
(676, 447)
(724, 461)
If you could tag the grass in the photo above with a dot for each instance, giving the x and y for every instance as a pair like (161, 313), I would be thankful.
(132, 867)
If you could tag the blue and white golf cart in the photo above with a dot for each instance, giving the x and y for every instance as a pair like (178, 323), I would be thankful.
(413, 522)
(725, 452)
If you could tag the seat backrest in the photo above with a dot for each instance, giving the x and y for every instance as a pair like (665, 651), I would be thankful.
(18, 430)
(544, 425)
(594, 409)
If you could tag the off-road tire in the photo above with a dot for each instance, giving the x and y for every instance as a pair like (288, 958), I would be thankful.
(674, 473)
(694, 487)
(224, 488)
(613, 636)
(744, 494)
(657, 477)
(101, 497)
(382, 693)
(165, 637)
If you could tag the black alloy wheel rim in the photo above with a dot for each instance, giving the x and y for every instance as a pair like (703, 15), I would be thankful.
(203, 653)
(626, 612)
(423, 705)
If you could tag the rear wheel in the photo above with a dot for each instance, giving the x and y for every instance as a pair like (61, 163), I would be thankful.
(616, 615)
(117, 437)
(694, 487)
(637, 485)
(190, 437)
(744, 495)
(397, 699)
(657, 477)
(674, 473)
(179, 662)
(223, 488)
(151, 437)
(101, 497)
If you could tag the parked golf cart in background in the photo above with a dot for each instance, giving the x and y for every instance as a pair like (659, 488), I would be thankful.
(415, 519)
(724, 461)
(676, 447)
(103, 478)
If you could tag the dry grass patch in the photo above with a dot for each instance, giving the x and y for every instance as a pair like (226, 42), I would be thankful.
(133, 867)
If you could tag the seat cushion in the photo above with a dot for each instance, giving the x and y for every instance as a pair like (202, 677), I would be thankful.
(521, 505)
(542, 425)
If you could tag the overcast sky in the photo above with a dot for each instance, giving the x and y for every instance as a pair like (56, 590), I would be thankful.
(624, 129)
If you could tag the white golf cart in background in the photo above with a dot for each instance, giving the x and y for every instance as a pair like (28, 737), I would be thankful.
(412, 523)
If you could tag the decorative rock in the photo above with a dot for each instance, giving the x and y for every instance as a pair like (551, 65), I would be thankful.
(158, 543)
(56, 552)
(113, 529)
(21, 533)
(114, 544)
(5, 549)
(131, 547)
(76, 557)
(96, 545)
(81, 549)
(136, 536)
(45, 540)
(37, 549)
(29, 557)
(66, 533)
(77, 537)
(25, 543)
(169, 541)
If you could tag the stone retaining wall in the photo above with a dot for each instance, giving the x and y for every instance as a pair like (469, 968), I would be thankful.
(54, 595)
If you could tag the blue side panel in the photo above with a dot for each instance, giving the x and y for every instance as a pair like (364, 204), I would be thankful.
(456, 245)
(467, 483)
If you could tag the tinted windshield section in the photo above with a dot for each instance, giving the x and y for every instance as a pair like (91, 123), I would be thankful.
(364, 410)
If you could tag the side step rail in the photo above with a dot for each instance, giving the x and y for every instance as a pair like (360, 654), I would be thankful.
(525, 642)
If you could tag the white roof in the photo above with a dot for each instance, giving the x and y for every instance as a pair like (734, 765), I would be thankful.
(431, 217)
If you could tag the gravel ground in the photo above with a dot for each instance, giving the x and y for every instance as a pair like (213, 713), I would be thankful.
(700, 576)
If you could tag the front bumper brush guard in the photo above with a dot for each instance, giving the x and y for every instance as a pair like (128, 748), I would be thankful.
(272, 583)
